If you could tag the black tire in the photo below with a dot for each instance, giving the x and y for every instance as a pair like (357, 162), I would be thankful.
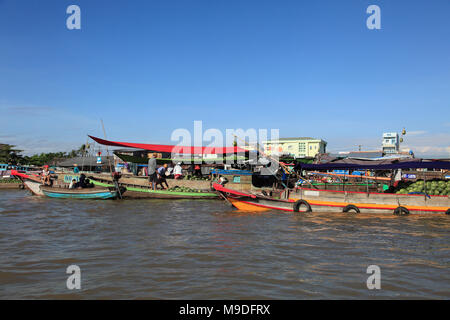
(351, 207)
(298, 203)
(447, 212)
(401, 211)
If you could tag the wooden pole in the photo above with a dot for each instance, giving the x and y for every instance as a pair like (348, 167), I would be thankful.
(116, 183)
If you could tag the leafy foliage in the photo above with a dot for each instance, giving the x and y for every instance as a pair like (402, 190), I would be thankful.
(10, 155)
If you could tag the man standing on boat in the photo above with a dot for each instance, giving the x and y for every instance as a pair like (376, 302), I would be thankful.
(152, 171)
(161, 173)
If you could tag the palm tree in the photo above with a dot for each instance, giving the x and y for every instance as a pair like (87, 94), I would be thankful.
(10, 155)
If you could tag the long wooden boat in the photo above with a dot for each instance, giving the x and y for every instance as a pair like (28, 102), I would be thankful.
(141, 192)
(36, 187)
(310, 200)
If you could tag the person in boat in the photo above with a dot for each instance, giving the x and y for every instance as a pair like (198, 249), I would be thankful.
(198, 171)
(76, 169)
(80, 182)
(88, 183)
(83, 183)
(45, 176)
(169, 172)
(191, 169)
(178, 171)
(151, 169)
(162, 176)
(72, 184)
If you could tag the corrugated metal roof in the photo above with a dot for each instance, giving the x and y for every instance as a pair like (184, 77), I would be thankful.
(84, 161)
(293, 139)
(365, 154)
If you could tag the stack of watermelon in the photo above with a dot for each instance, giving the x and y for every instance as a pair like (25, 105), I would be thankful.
(184, 189)
(434, 187)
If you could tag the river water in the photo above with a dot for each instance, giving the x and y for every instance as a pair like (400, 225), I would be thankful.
(203, 249)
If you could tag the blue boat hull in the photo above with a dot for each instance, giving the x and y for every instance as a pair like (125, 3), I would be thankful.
(79, 194)
(101, 195)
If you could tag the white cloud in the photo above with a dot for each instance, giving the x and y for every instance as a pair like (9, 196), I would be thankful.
(415, 133)
(433, 150)
(429, 145)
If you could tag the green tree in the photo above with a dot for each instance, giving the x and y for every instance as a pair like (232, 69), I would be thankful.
(10, 155)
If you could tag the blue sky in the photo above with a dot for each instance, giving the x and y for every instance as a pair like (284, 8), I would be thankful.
(308, 68)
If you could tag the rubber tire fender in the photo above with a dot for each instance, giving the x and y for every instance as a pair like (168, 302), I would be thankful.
(401, 211)
(349, 207)
(298, 203)
(447, 212)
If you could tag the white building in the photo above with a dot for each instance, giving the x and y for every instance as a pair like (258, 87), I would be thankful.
(297, 147)
(391, 143)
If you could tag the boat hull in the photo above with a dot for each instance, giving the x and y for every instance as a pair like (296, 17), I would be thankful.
(330, 201)
(141, 192)
(252, 205)
(33, 186)
(94, 193)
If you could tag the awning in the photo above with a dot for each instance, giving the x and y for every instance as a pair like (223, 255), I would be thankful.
(85, 161)
(170, 148)
(399, 165)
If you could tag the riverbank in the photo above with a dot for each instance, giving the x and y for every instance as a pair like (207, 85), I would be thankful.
(11, 184)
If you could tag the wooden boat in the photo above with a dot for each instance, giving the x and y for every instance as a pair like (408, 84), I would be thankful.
(35, 185)
(309, 200)
(86, 193)
(139, 191)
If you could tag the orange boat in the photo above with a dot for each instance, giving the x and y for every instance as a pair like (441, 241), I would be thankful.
(309, 200)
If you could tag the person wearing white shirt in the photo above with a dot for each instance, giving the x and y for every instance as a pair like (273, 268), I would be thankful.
(72, 184)
(169, 171)
(177, 171)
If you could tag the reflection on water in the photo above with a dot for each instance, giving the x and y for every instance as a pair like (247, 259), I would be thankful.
(206, 250)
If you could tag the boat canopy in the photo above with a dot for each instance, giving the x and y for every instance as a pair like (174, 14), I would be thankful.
(424, 164)
(170, 148)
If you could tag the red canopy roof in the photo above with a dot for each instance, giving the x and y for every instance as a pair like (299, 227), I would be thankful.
(170, 148)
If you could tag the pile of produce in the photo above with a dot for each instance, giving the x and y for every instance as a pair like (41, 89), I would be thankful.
(189, 177)
(184, 189)
(10, 180)
(434, 187)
